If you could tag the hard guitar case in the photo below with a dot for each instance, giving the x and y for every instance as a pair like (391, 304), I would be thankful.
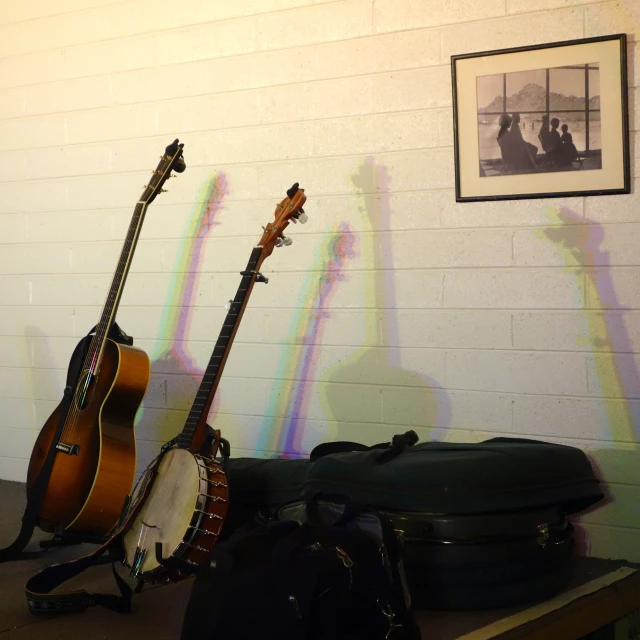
(483, 525)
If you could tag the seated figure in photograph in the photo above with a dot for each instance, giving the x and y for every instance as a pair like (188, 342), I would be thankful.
(517, 154)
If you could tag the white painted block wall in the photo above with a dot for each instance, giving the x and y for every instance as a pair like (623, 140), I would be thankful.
(394, 308)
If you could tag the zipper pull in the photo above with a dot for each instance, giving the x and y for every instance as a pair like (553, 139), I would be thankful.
(386, 562)
(294, 602)
(347, 562)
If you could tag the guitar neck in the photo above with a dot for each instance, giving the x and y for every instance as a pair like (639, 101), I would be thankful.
(110, 309)
(195, 428)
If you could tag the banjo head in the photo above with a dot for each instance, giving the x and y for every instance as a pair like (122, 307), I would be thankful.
(167, 511)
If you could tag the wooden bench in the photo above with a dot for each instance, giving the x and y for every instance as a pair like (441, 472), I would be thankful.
(600, 594)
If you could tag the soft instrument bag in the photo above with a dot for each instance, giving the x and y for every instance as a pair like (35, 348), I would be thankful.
(321, 572)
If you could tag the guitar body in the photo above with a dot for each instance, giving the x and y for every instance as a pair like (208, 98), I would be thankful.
(87, 489)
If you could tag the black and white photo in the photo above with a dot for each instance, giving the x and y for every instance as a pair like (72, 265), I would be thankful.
(542, 121)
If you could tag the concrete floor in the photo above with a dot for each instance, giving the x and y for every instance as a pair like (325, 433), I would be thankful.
(157, 612)
(97, 623)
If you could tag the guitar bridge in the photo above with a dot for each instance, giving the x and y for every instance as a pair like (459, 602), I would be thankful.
(69, 449)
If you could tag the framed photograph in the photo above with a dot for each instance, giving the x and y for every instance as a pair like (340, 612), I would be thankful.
(543, 121)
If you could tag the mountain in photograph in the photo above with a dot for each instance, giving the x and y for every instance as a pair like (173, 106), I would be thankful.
(532, 97)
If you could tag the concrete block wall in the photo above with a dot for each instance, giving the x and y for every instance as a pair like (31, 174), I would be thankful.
(394, 308)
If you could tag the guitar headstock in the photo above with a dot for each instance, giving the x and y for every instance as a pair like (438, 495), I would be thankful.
(288, 210)
(172, 160)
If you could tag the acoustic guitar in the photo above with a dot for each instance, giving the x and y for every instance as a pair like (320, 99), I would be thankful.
(180, 503)
(92, 433)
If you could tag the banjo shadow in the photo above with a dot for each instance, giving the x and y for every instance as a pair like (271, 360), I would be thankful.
(175, 374)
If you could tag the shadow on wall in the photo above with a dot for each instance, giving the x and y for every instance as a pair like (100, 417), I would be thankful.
(613, 379)
(372, 379)
(41, 382)
(291, 400)
(172, 361)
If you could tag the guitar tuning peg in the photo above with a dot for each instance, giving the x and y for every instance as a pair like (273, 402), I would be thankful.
(163, 190)
(227, 306)
(302, 217)
(286, 241)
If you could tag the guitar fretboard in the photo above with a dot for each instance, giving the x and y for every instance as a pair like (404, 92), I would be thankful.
(197, 417)
(117, 285)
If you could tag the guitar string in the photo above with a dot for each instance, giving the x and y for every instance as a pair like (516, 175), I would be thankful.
(100, 335)
(96, 345)
(90, 363)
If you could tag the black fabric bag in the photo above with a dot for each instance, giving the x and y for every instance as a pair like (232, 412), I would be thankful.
(333, 574)
(483, 525)
(256, 484)
(501, 474)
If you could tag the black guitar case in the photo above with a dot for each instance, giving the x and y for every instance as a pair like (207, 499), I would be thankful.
(483, 525)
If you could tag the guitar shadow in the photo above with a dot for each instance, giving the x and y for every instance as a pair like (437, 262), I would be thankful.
(407, 399)
(175, 375)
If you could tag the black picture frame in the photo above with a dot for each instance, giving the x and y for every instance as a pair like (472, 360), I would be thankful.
(507, 167)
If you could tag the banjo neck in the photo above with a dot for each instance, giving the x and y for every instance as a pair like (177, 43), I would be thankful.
(195, 428)
(194, 431)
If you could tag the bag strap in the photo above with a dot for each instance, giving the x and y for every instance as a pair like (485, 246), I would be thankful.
(395, 605)
(38, 588)
(36, 495)
(352, 509)
(208, 594)
(397, 445)
(402, 623)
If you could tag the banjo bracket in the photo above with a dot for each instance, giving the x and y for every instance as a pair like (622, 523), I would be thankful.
(179, 565)
(213, 444)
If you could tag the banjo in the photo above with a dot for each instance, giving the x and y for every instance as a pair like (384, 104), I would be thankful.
(178, 507)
